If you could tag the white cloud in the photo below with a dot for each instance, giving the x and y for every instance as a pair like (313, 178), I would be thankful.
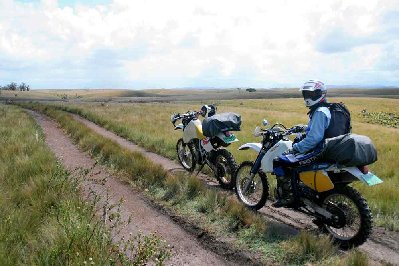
(207, 43)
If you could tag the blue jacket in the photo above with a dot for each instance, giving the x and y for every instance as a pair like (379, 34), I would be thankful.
(318, 124)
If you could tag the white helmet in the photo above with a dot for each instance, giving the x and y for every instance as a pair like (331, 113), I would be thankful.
(208, 110)
(313, 92)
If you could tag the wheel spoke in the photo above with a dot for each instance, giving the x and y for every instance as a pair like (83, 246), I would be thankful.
(184, 155)
(339, 204)
(225, 169)
(249, 188)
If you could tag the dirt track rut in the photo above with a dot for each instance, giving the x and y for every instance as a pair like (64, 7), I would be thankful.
(186, 248)
(383, 245)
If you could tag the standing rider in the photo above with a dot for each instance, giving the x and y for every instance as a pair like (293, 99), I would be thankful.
(305, 151)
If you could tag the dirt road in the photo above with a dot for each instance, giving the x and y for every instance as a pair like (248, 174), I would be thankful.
(382, 246)
(187, 249)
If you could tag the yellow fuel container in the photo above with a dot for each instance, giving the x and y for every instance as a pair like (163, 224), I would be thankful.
(317, 180)
(200, 134)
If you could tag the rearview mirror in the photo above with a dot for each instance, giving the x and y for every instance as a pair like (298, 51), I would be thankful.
(265, 122)
(257, 132)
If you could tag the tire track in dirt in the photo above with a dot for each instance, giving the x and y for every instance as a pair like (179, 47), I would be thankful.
(187, 249)
(383, 245)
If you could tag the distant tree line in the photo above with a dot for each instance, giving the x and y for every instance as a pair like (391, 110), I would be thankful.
(15, 87)
(248, 89)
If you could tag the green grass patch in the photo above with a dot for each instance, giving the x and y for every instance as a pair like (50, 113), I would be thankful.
(381, 118)
(309, 248)
(43, 220)
(356, 258)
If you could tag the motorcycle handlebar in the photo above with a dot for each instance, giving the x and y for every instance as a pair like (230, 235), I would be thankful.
(277, 129)
(179, 116)
(289, 132)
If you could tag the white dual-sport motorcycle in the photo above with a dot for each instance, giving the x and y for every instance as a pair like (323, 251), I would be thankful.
(321, 190)
(196, 149)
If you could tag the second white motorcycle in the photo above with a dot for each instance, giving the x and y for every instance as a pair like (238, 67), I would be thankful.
(195, 148)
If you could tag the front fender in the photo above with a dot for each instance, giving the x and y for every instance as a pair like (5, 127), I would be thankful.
(254, 146)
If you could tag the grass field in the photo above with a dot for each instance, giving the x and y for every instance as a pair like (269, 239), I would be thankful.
(43, 218)
(209, 209)
(99, 94)
(148, 125)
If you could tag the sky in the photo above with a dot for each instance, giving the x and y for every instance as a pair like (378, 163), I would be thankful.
(135, 44)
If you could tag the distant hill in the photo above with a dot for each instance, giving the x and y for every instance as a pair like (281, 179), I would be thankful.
(369, 87)
(173, 95)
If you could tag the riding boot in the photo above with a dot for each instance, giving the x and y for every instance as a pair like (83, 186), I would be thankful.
(286, 197)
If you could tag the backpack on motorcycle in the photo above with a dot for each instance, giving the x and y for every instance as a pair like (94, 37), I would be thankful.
(349, 150)
(340, 122)
(212, 126)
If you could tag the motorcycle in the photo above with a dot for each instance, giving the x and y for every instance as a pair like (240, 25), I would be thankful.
(320, 189)
(196, 148)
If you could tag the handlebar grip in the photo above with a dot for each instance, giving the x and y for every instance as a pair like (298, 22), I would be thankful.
(299, 128)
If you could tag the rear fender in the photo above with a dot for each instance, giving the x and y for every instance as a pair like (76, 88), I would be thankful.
(342, 177)
(254, 146)
(370, 179)
(179, 126)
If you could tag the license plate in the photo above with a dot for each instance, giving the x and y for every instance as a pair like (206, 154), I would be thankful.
(371, 179)
(230, 138)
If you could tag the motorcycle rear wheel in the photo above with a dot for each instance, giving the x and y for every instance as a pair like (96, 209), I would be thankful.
(258, 191)
(186, 155)
(347, 203)
(225, 168)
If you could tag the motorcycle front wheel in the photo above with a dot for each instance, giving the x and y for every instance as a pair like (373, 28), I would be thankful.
(253, 192)
(354, 218)
(186, 155)
(225, 168)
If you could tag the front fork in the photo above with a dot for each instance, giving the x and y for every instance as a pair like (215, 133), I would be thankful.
(255, 168)
(205, 157)
(200, 153)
